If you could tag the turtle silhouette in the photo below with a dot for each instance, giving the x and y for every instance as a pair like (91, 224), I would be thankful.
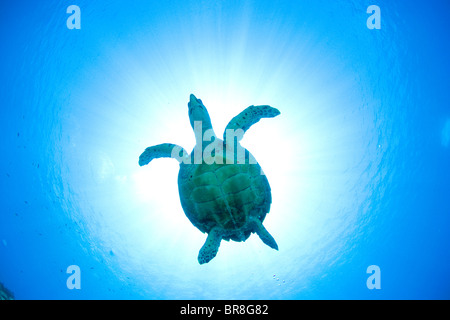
(222, 188)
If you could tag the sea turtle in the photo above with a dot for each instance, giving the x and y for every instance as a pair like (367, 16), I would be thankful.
(222, 188)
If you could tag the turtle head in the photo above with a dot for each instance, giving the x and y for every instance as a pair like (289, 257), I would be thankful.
(198, 112)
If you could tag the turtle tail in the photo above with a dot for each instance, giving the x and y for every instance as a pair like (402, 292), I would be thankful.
(165, 150)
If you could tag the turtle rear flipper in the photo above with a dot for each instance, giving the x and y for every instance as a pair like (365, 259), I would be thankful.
(165, 150)
(264, 235)
(211, 246)
(249, 117)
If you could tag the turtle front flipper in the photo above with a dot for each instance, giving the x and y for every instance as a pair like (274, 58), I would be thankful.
(249, 117)
(264, 235)
(211, 246)
(165, 150)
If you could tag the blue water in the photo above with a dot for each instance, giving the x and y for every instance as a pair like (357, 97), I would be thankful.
(358, 161)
